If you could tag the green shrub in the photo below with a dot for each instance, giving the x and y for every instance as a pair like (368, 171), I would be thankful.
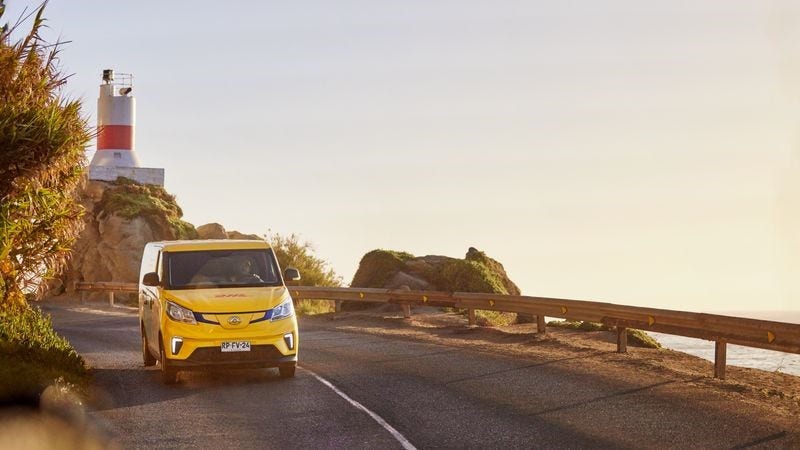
(33, 355)
(639, 338)
(488, 318)
(291, 252)
(495, 269)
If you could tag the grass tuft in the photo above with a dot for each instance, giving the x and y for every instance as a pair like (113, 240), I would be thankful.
(636, 338)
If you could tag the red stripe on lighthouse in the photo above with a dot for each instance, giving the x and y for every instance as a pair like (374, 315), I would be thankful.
(115, 137)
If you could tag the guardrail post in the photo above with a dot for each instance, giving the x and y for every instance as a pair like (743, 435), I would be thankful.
(337, 307)
(471, 316)
(541, 326)
(622, 340)
(720, 354)
(406, 307)
(111, 298)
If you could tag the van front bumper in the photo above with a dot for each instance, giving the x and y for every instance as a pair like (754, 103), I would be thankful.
(200, 345)
(259, 356)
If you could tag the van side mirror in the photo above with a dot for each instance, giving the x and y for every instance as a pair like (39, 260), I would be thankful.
(151, 279)
(291, 274)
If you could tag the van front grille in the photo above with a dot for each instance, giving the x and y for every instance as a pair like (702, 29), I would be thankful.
(213, 355)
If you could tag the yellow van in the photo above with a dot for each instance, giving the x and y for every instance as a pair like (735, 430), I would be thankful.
(216, 303)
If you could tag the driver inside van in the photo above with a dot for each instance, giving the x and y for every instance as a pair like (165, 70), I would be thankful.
(243, 272)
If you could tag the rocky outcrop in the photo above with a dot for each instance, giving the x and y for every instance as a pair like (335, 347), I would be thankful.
(475, 273)
(120, 218)
(216, 231)
(212, 231)
(237, 235)
(399, 270)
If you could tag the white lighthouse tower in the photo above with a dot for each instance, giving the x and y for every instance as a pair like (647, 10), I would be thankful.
(116, 123)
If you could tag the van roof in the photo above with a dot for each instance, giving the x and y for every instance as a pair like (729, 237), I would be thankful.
(211, 244)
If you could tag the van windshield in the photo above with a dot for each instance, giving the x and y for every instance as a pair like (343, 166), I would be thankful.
(221, 268)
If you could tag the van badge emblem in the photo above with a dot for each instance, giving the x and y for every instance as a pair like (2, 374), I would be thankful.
(234, 320)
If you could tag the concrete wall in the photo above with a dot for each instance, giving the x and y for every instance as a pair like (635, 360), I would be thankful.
(143, 175)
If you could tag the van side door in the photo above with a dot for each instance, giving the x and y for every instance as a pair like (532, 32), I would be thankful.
(155, 317)
(149, 299)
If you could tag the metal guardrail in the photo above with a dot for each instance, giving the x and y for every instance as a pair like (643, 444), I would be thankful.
(765, 334)
(110, 287)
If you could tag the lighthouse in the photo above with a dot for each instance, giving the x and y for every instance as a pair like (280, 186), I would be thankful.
(116, 125)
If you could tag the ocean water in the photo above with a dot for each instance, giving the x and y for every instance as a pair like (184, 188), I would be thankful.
(756, 358)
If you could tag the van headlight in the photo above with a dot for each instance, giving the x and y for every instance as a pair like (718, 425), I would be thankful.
(180, 314)
(284, 310)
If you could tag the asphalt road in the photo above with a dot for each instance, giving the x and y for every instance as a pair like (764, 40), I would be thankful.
(435, 396)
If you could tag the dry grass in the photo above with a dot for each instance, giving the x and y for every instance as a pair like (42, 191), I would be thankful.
(312, 307)
(486, 318)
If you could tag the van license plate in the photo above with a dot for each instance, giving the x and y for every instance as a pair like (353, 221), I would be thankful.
(236, 346)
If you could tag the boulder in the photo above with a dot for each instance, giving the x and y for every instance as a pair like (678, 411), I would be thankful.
(403, 280)
(238, 235)
(212, 231)
(392, 269)
(217, 231)
(475, 273)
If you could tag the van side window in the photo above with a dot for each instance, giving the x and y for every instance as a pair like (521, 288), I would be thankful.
(159, 266)
(150, 261)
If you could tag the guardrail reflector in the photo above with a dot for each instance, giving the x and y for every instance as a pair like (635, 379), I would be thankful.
(770, 336)
(491, 302)
(424, 299)
(360, 295)
(651, 320)
(297, 294)
(564, 310)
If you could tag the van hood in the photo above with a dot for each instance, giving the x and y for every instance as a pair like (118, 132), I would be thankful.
(228, 300)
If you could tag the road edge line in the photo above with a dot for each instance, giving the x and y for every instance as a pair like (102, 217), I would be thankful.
(396, 434)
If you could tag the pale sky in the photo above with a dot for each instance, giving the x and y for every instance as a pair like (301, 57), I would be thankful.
(643, 153)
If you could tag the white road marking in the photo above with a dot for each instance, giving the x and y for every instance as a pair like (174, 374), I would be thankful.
(396, 434)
